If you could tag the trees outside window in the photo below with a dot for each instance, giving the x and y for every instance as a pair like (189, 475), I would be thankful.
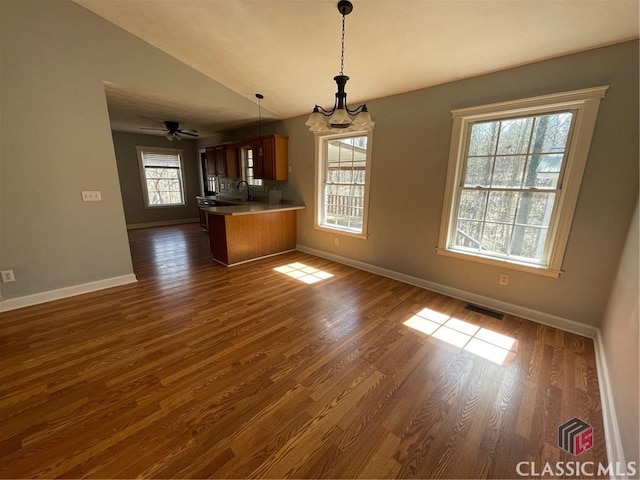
(161, 175)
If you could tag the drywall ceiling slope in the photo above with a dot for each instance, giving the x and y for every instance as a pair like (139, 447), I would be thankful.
(289, 50)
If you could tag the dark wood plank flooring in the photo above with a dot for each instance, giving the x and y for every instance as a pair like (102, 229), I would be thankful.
(199, 371)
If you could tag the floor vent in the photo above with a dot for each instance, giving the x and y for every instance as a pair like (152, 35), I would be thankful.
(485, 311)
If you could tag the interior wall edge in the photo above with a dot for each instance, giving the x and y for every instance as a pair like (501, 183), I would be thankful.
(615, 451)
(65, 292)
(537, 316)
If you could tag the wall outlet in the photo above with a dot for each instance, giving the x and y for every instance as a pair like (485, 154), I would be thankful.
(336, 241)
(504, 279)
(7, 276)
(91, 196)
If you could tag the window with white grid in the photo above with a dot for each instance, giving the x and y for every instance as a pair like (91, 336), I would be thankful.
(248, 167)
(343, 171)
(161, 175)
(514, 175)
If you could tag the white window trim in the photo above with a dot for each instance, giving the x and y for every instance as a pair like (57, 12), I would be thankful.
(585, 104)
(243, 151)
(320, 156)
(143, 178)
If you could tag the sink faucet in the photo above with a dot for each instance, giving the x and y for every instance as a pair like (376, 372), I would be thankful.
(249, 195)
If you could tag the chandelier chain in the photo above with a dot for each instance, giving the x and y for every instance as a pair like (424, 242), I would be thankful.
(342, 53)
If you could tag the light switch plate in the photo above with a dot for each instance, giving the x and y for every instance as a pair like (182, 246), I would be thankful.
(7, 276)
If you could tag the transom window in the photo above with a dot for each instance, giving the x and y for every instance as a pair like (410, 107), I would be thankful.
(343, 170)
(514, 175)
(161, 175)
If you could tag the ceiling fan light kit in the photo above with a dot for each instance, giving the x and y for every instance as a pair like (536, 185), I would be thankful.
(341, 117)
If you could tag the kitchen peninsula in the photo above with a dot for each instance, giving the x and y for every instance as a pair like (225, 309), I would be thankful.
(243, 232)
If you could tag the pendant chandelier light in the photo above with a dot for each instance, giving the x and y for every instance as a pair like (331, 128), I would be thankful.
(259, 96)
(341, 117)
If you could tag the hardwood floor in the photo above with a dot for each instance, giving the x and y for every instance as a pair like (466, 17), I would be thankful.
(199, 370)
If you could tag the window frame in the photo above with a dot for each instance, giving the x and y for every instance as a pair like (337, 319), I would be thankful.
(584, 104)
(143, 178)
(244, 165)
(321, 152)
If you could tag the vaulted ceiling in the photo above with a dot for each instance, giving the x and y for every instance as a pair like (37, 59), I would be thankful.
(289, 50)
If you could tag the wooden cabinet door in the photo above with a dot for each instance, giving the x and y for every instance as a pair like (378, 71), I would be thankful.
(264, 165)
(280, 157)
(258, 160)
(232, 162)
(269, 158)
(211, 161)
(221, 161)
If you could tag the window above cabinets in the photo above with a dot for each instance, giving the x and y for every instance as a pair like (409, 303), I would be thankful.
(515, 170)
(248, 167)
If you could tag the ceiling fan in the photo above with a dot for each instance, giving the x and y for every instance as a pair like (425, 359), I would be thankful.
(174, 132)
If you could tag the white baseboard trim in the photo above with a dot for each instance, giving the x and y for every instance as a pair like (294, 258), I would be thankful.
(134, 226)
(487, 302)
(35, 299)
(615, 452)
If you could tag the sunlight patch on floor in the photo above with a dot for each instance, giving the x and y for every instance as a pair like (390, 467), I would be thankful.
(304, 273)
(480, 341)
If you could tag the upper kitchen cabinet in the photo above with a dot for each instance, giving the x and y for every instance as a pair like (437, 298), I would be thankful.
(216, 161)
(273, 164)
(222, 160)
(232, 161)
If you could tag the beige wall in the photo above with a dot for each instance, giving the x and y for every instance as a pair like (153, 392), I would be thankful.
(410, 155)
(131, 186)
(56, 140)
(620, 339)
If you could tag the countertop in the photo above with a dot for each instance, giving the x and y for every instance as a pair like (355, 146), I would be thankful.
(251, 208)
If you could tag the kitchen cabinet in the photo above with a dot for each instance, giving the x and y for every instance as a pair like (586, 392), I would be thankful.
(220, 155)
(216, 161)
(223, 161)
(232, 161)
(235, 239)
(273, 164)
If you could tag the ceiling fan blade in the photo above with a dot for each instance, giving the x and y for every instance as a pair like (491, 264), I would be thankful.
(154, 128)
(187, 132)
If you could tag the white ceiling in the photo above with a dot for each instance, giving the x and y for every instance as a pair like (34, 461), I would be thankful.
(289, 50)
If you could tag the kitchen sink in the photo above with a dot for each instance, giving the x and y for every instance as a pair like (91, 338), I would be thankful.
(218, 203)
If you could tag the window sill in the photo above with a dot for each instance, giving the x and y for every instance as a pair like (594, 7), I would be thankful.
(339, 231)
(497, 262)
(172, 205)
